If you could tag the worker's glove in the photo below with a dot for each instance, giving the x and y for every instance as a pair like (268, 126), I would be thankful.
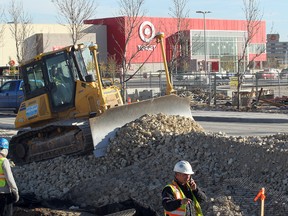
(12, 164)
(185, 201)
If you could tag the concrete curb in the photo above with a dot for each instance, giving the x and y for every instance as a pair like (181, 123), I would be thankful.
(244, 120)
(7, 126)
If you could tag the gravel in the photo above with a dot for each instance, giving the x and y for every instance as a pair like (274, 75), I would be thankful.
(140, 159)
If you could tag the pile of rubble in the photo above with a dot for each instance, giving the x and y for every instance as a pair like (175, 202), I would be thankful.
(199, 101)
(140, 160)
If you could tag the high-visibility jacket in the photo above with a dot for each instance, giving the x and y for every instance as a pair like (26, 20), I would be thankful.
(178, 194)
(2, 176)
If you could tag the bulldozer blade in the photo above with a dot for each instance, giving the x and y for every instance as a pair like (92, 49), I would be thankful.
(104, 127)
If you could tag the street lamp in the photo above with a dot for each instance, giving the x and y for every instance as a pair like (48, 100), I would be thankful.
(205, 56)
(286, 58)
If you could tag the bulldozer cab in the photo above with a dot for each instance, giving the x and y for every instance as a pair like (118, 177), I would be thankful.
(51, 75)
(55, 74)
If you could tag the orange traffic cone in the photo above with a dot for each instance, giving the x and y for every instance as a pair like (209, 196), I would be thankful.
(129, 100)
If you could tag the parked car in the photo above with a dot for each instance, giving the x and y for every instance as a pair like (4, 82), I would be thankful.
(266, 75)
(284, 74)
(11, 95)
(248, 75)
(231, 74)
(185, 76)
(218, 75)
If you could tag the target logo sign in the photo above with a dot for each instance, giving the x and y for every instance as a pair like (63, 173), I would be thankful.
(146, 31)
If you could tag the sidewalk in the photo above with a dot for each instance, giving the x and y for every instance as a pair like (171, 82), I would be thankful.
(247, 117)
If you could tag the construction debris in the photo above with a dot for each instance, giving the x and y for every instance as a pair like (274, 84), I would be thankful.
(140, 161)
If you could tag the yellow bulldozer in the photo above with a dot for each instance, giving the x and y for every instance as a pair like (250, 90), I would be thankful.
(69, 110)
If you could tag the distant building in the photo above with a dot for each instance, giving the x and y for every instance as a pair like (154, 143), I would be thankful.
(277, 50)
(224, 42)
(47, 37)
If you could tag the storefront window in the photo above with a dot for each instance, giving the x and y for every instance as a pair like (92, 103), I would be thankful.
(222, 48)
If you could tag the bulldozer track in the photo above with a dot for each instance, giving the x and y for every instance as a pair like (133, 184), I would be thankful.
(53, 140)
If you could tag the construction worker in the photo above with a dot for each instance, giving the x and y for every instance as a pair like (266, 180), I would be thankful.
(56, 75)
(8, 189)
(182, 196)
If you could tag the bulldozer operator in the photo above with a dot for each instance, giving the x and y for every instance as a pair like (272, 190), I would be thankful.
(62, 85)
(57, 75)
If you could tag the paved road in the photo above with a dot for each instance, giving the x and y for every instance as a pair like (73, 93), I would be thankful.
(245, 129)
(252, 117)
(7, 120)
(232, 123)
(242, 123)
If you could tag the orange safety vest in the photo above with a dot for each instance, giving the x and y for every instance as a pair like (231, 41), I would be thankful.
(178, 194)
(2, 176)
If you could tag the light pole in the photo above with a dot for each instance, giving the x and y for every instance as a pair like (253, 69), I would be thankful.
(205, 55)
(286, 58)
(204, 29)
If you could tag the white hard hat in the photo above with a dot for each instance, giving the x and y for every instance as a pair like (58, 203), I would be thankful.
(183, 167)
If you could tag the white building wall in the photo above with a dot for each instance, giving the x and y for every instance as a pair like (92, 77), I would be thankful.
(52, 36)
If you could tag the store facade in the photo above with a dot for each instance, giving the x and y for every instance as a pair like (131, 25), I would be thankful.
(224, 40)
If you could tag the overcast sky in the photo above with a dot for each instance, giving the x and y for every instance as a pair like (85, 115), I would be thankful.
(274, 12)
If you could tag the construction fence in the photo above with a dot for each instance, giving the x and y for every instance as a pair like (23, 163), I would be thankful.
(253, 89)
(273, 91)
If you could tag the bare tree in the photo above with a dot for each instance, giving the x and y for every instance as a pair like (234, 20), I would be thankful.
(179, 41)
(253, 17)
(133, 11)
(74, 13)
(112, 66)
(20, 26)
(2, 27)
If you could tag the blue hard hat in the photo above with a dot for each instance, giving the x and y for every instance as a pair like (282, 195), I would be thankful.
(4, 144)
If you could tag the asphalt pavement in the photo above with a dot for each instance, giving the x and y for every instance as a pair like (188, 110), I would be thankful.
(211, 120)
(242, 123)
(245, 117)
(7, 120)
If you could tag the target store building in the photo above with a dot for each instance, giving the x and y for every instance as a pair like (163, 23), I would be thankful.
(224, 41)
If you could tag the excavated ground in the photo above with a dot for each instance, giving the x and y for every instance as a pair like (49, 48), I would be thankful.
(139, 162)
